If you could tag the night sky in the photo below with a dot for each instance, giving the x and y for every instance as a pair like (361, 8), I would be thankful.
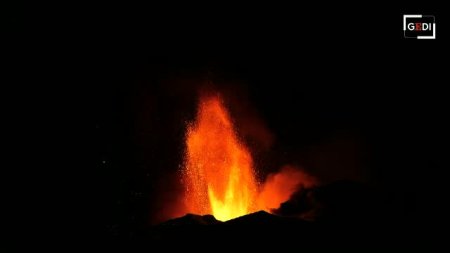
(341, 94)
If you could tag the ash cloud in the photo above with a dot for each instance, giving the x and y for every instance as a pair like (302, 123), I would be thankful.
(279, 186)
(344, 201)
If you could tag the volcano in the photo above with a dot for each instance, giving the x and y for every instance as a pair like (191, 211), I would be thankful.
(227, 200)
(348, 214)
(219, 172)
(219, 175)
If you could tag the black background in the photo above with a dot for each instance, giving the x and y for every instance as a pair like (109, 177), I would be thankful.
(337, 87)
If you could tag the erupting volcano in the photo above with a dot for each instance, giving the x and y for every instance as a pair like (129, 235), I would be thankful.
(219, 172)
(219, 175)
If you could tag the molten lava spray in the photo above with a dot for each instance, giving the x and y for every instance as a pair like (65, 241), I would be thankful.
(219, 173)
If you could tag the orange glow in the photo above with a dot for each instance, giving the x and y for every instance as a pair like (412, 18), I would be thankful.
(280, 186)
(219, 173)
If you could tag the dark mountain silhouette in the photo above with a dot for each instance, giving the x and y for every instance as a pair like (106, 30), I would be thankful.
(342, 213)
(191, 220)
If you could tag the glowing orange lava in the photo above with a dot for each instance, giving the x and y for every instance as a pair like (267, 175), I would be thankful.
(219, 173)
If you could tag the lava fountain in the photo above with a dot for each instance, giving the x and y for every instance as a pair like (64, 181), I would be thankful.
(218, 172)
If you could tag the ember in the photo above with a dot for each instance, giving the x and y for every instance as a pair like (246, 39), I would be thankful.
(219, 173)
